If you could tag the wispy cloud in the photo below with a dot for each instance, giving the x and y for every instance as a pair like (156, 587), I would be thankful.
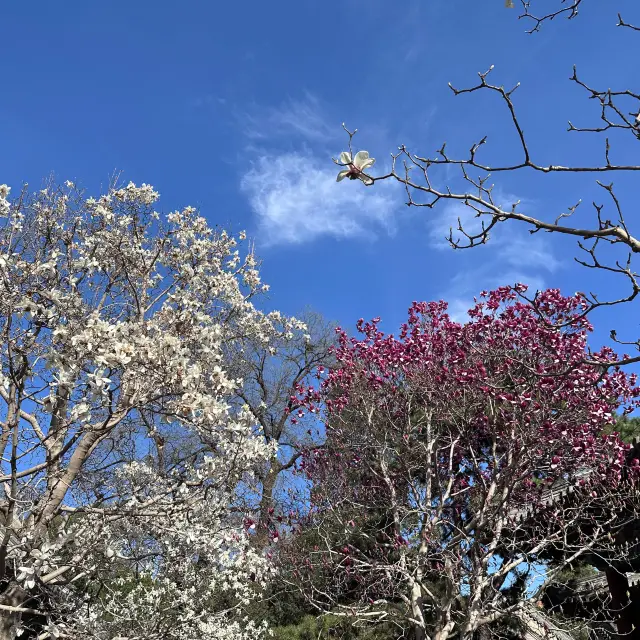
(453, 213)
(446, 220)
(491, 275)
(296, 199)
(528, 251)
(458, 307)
(509, 244)
(462, 289)
(302, 119)
(511, 255)
(291, 186)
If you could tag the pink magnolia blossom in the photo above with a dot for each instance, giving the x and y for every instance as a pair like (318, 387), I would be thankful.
(451, 447)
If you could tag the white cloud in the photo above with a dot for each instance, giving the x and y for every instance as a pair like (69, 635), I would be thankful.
(457, 309)
(466, 285)
(451, 213)
(296, 199)
(445, 220)
(491, 276)
(511, 255)
(510, 243)
(292, 187)
(293, 119)
(520, 250)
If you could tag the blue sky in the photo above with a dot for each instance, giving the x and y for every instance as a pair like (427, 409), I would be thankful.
(237, 108)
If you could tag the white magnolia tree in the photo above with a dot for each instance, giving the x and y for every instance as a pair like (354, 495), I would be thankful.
(120, 452)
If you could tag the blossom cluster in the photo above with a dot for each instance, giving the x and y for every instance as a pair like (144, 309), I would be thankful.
(116, 320)
(457, 455)
(516, 361)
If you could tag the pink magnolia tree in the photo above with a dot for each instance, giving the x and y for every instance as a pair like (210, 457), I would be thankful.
(464, 467)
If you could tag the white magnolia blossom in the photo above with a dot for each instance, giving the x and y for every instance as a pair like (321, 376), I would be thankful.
(355, 167)
(4, 203)
(121, 521)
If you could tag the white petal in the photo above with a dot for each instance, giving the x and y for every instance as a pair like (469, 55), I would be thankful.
(345, 157)
(367, 163)
(361, 158)
(342, 175)
(368, 181)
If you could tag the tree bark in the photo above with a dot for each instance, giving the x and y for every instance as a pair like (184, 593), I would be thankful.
(416, 612)
(14, 596)
(635, 608)
(266, 502)
(620, 605)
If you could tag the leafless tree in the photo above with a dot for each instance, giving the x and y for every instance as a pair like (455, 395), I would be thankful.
(404, 542)
(607, 244)
(270, 377)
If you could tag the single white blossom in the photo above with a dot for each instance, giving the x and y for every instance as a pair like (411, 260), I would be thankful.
(356, 167)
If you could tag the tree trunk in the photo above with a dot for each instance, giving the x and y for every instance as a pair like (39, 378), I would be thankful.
(261, 539)
(416, 612)
(620, 605)
(445, 632)
(14, 596)
(7, 622)
(635, 608)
